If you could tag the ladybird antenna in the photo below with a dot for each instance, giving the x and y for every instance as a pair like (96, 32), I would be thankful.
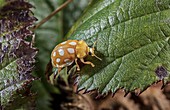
(96, 56)
(92, 51)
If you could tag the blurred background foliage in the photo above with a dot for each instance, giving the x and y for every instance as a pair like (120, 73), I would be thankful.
(53, 32)
(47, 37)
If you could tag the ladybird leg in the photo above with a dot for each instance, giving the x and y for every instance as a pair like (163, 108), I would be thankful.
(87, 62)
(78, 68)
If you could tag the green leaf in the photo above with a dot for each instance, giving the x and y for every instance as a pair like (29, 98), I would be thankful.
(132, 40)
(17, 56)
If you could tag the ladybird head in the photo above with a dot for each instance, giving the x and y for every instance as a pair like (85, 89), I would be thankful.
(83, 50)
(91, 51)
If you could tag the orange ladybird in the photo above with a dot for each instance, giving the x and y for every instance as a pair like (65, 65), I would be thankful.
(65, 53)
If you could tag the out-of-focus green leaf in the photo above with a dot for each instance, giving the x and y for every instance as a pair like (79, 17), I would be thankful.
(43, 97)
(50, 33)
(132, 40)
(72, 12)
(47, 36)
(17, 56)
(2, 2)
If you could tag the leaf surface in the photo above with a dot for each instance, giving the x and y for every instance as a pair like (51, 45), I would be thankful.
(17, 56)
(132, 40)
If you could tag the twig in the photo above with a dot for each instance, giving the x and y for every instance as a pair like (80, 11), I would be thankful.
(52, 14)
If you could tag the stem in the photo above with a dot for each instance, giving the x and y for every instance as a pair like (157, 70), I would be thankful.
(52, 14)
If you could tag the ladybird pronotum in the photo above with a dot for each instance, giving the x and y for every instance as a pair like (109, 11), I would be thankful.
(65, 53)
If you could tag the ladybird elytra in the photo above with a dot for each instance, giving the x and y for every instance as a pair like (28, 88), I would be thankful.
(65, 53)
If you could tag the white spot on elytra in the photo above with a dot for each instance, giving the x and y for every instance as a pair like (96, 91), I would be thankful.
(61, 52)
(54, 54)
(70, 50)
(66, 60)
(63, 42)
(58, 60)
(72, 43)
